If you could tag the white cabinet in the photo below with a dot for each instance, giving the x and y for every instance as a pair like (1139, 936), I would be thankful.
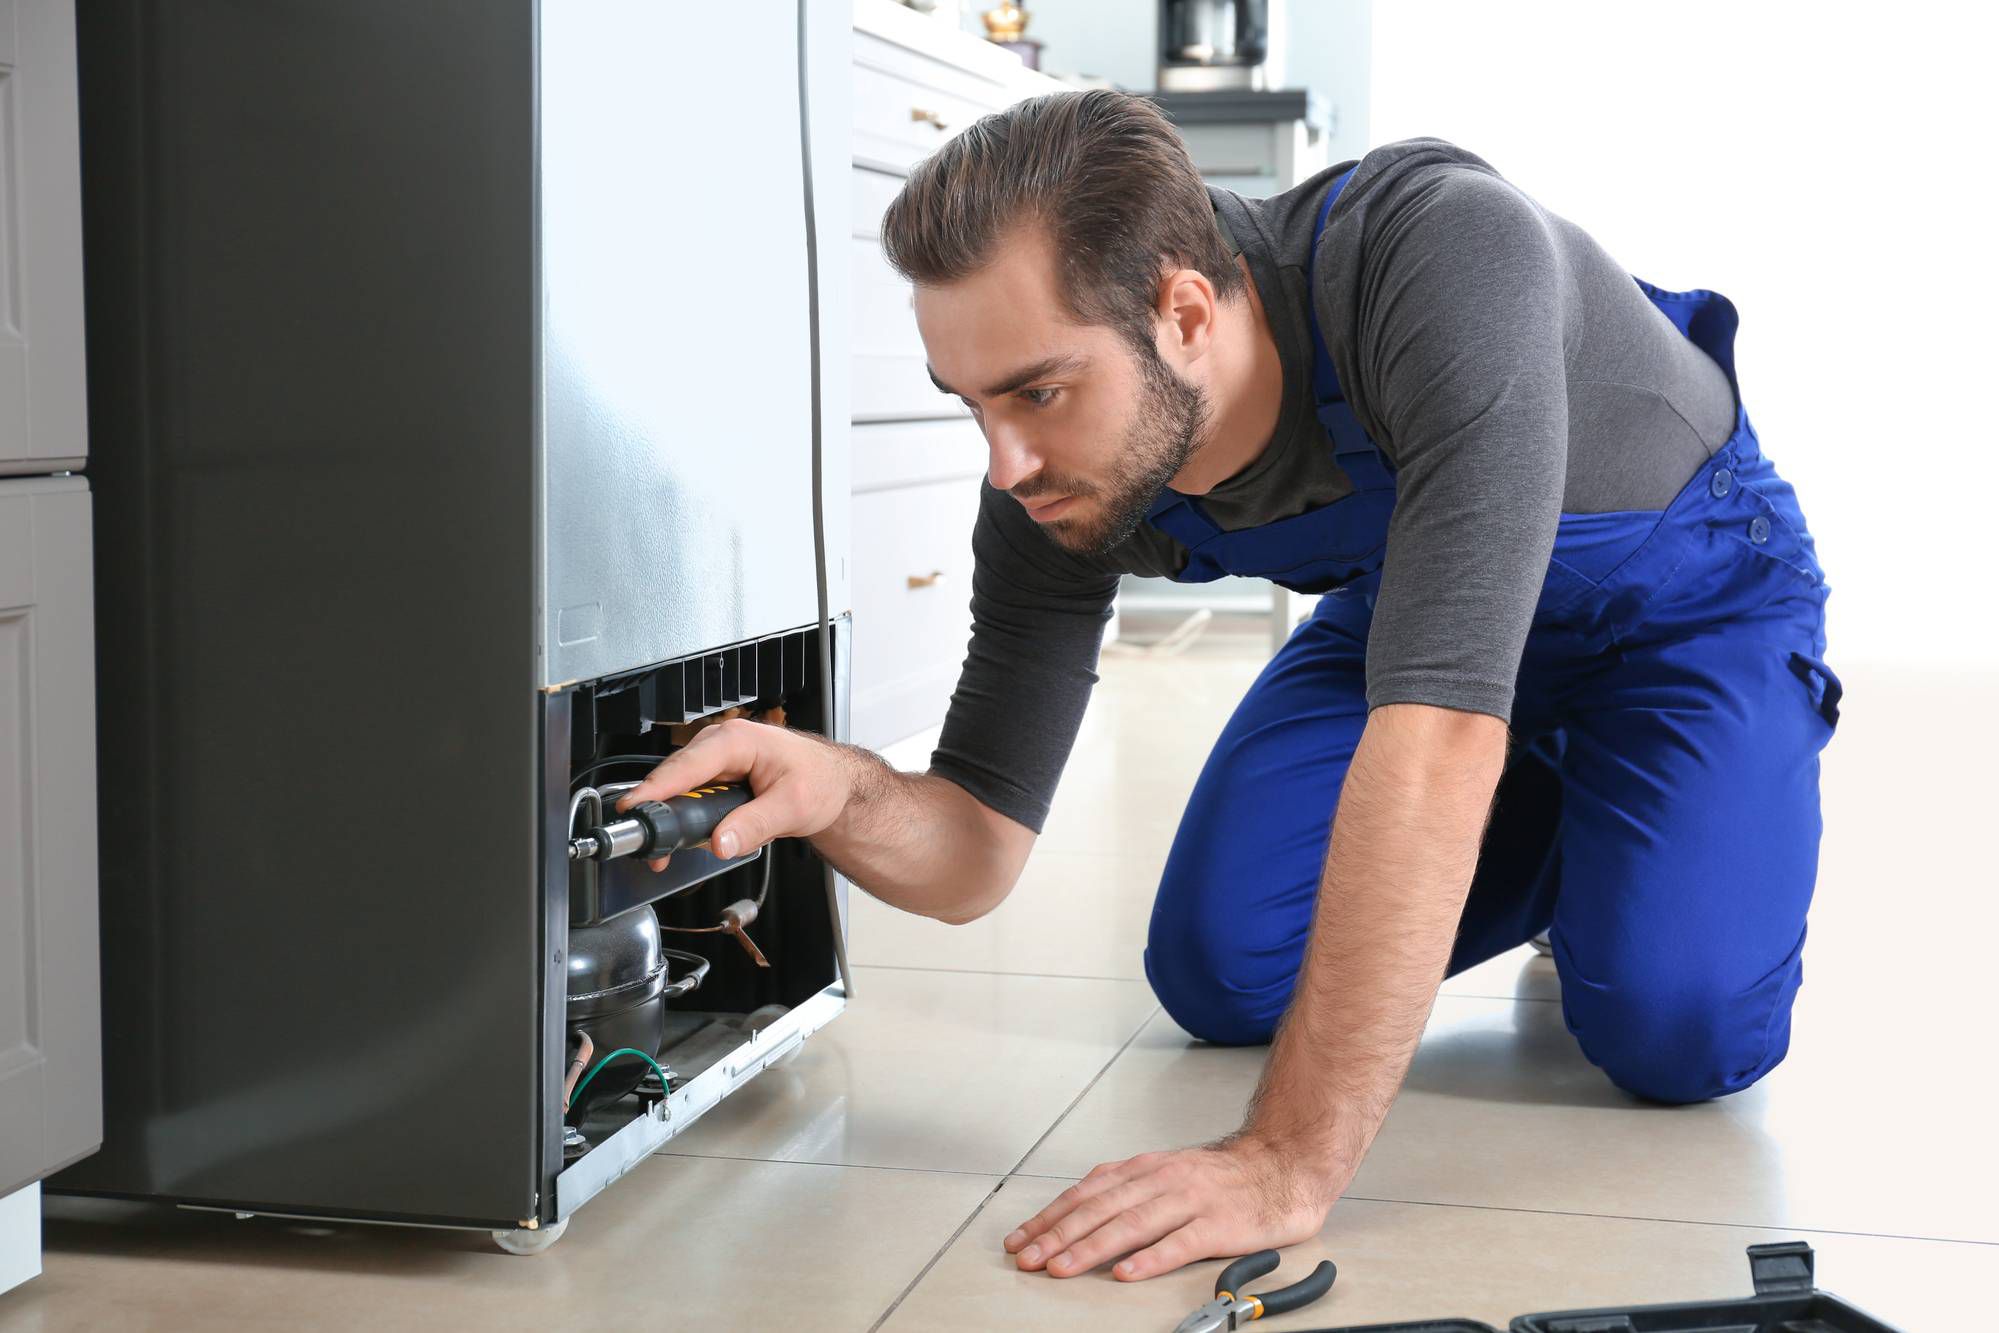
(918, 456)
(51, 1094)
(51, 1104)
(916, 494)
(41, 241)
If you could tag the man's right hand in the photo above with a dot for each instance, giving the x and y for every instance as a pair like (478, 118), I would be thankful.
(799, 783)
(914, 840)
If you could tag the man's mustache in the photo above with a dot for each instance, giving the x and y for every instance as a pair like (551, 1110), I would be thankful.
(1037, 490)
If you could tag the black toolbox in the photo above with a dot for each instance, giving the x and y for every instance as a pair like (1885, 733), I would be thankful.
(1785, 1302)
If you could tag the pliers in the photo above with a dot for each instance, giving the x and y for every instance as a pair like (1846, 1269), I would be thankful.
(1233, 1307)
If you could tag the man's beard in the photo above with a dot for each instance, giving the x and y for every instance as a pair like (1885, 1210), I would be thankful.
(1163, 434)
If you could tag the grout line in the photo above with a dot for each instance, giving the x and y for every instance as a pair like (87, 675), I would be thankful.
(1682, 1221)
(1094, 976)
(838, 1166)
(1143, 1025)
(1621, 1217)
(942, 1250)
(916, 1281)
(992, 972)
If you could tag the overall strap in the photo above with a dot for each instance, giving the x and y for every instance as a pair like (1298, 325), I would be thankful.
(1352, 449)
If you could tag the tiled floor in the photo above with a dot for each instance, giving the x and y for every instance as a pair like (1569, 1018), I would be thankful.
(981, 1068)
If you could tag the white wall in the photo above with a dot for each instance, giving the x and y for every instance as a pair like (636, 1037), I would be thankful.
(1826, 166)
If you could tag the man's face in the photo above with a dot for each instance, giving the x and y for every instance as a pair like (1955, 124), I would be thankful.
(1081, 428)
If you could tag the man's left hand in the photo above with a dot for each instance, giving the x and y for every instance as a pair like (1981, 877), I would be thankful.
(1228, 1199)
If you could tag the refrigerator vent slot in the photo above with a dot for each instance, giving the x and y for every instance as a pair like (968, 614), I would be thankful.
(694, 687)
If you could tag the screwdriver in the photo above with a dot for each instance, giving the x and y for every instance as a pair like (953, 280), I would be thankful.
(652, 829)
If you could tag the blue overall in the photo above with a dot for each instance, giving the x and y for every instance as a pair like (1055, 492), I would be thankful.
(1659, 811)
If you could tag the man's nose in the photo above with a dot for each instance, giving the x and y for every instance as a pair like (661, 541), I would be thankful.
(1010, 459)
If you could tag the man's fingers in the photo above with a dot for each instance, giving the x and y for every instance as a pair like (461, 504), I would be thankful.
(717, 753)
(1038, 1224)
(777, 812)
(1123, 1232)
(741, 833)
(1101, 1178)
(1089, 1213)
(1177, 1250)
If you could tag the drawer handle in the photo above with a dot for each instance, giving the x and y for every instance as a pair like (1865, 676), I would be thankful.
(920, 116)
(930, 580)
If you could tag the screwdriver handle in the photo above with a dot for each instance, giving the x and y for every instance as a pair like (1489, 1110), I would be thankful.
(689, 819)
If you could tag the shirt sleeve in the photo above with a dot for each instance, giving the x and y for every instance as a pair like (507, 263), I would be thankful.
(1461, 345)
(1038, 617)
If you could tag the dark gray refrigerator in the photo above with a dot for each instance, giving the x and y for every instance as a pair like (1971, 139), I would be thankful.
(457, 444)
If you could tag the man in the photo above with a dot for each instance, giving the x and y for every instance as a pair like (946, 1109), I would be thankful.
(1527, 486)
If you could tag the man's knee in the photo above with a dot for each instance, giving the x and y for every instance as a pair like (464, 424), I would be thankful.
(1682, 1041)
(1208, 986)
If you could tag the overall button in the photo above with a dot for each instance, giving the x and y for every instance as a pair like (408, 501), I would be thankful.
(1759, 529)
(1723, 483)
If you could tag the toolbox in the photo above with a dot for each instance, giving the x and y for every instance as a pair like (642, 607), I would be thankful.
(1786, 1301)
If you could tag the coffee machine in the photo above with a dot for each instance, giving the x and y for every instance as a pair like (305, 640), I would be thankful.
(1221, 45)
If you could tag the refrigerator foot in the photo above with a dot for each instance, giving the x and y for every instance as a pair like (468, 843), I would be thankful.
(522, 1241)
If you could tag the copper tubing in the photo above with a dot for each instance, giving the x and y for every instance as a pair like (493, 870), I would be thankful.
(577, 1066)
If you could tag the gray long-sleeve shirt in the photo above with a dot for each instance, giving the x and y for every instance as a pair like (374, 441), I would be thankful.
(1508, 367)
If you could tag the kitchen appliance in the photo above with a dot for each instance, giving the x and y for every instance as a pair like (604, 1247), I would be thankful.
(453, 465)
(1217, 45)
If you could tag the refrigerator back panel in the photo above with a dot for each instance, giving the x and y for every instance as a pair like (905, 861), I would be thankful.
(677, 423)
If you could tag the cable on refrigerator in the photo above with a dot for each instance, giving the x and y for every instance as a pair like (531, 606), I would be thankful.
(826, 702)
(664, 1081)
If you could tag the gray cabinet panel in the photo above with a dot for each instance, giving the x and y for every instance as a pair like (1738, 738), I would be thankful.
(41, 241)
(51, 1099)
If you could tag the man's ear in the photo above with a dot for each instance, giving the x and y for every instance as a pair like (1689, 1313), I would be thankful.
(1186, 310)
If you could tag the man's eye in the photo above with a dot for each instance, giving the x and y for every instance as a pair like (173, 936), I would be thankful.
(1040, 397)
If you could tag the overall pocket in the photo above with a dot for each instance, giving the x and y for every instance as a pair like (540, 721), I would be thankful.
(1822, 686)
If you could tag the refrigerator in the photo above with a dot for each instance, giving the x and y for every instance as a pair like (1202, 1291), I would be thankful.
(463, 440)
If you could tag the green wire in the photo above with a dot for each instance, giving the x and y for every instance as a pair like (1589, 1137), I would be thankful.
(577, 1096)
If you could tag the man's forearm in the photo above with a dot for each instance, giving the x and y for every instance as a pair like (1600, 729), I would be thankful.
(1404, 845)
(922, 843)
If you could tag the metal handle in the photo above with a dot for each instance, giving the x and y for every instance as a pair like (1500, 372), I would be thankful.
(921, 116)
(930, 580)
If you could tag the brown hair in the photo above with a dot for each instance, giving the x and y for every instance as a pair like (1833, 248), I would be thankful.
(1105, 174)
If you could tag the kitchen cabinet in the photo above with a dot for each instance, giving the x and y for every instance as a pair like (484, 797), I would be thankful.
(51, 1096)
(51, 1104)
(41, 241)
(918, 456)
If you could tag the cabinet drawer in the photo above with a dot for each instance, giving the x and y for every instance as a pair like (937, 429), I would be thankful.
(891, 375)
(912, 598)
(898, 122)
(872, 193)
(41, 241)
(884, 320)
(913, 453)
